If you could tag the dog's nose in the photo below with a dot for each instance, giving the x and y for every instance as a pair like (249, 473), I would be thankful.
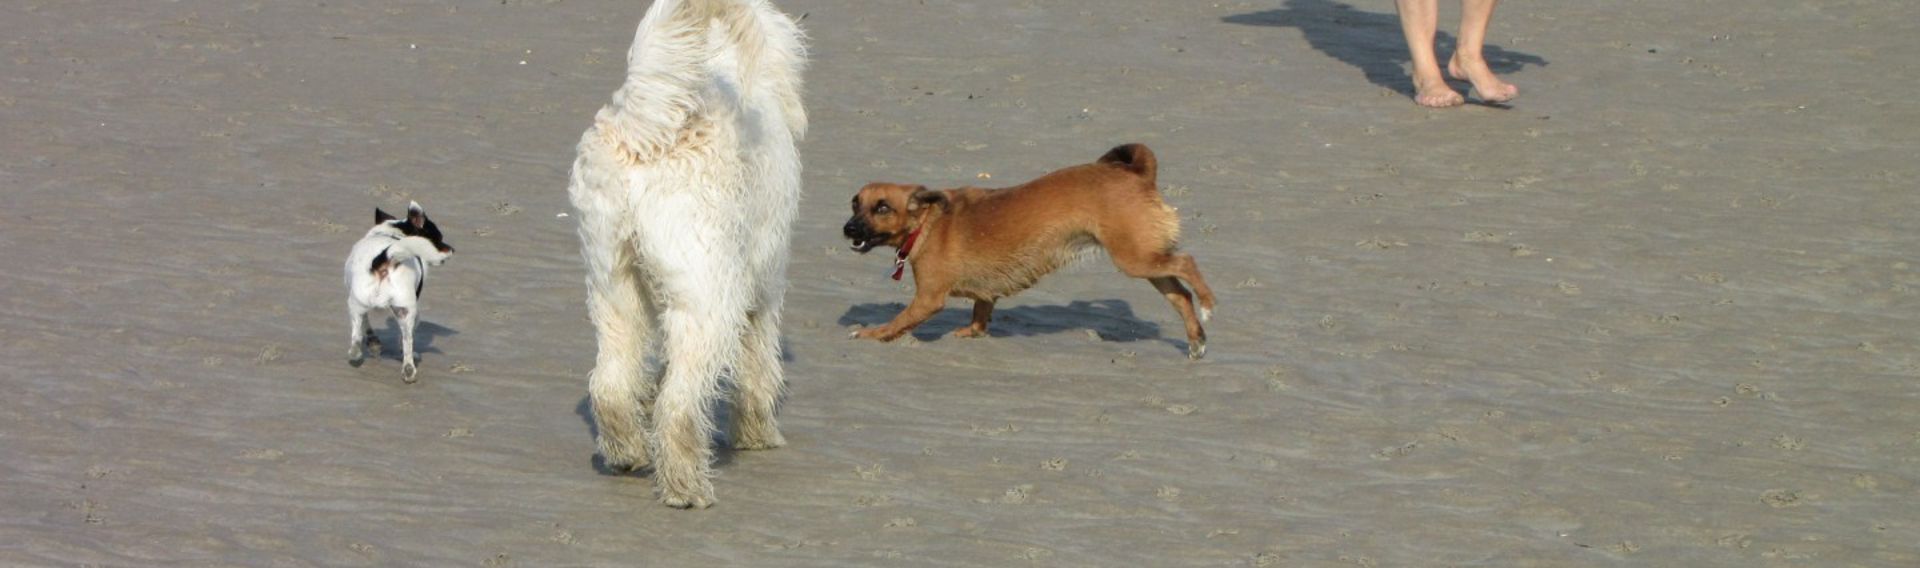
(852, 229)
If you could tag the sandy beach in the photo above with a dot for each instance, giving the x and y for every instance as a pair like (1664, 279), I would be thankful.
(1659, 311)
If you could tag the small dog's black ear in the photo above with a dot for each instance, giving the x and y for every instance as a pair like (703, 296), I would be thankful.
(381, 216)
(921, 197)
(416, 215)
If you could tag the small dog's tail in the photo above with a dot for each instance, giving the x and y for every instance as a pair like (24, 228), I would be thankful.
(408, 248)
(1135, 158)
(1138, 159)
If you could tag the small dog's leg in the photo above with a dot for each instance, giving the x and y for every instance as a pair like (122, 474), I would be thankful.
(357, 317)
(760, 383)
(982, 313)
(408, 318)
(1187, 269)
(1145, 259)
(925, 303)
(373, 339)
(1182, 301)
(701, 340)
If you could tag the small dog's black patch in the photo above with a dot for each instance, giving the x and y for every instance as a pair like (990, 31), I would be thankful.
(418, 225)
(378, 262)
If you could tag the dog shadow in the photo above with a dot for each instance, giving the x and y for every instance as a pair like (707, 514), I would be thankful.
(1112, 320)
(423, 335)
(721, 411)
(721, 442)
(1371, 41)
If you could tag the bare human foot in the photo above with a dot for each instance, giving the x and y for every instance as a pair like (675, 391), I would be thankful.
(1435, 94)
(1486, 85)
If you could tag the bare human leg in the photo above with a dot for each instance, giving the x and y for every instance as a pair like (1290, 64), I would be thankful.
(1420, 20)
(1468, 63)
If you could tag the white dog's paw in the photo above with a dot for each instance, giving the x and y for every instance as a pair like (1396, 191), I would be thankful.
(356, 356)
(622, 458)
(409, 372)
(626, 464)
(682, 487)
(688, 500)
(760, 441)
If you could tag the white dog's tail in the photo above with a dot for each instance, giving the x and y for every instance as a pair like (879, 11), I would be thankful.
(408, 248)
(669, 63)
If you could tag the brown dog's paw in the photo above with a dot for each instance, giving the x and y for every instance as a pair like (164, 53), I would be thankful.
(969, 333)
(1196, 350)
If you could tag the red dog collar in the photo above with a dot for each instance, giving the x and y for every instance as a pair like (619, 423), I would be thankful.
(900, 260)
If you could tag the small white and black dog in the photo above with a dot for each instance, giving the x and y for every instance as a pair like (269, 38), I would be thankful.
(388, 269)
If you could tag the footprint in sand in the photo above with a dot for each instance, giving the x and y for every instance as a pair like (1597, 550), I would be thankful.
(1018, 495)
(1167, 493)
(1781, 498)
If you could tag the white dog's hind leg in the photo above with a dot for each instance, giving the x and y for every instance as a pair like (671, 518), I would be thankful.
(357, 338)
(759, 383)
(623, 324)
(373, 339)
(408, 318)
(702, 338)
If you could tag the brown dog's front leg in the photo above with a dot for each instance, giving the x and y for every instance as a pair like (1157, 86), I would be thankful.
(924, 305)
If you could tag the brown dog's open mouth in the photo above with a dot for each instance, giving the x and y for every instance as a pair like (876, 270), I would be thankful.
(863, 245)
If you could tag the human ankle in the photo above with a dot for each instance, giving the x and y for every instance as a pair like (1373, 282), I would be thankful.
(1465, 58)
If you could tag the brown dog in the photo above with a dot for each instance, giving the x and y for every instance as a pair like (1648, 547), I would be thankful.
(987, 244)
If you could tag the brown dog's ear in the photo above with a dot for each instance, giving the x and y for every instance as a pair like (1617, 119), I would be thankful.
(922, 197)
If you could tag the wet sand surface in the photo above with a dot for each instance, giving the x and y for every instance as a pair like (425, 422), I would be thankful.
(1660, 312)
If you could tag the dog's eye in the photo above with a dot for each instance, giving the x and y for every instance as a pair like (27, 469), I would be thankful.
(882, 208)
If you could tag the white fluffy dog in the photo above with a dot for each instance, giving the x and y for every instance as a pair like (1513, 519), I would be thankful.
(686, 187)
(388, 270)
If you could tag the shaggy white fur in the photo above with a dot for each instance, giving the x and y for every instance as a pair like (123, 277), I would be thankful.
(686, 188)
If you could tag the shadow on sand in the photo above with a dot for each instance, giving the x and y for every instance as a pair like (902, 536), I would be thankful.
(1113, 320)
(423, 335)
(721, 411)
(721, 443)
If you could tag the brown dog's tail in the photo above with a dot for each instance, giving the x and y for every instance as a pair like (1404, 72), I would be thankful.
(1135, 158)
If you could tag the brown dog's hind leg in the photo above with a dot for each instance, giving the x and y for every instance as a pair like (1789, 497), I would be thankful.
(1188, 270)
(1151, 258)
(1143, 247)
(1182, 301)
(982, 313)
